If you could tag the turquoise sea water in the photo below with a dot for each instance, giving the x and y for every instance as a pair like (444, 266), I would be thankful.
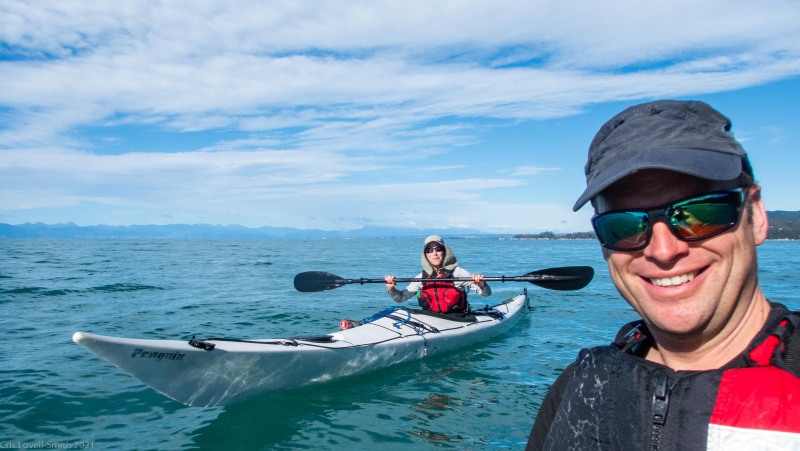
(56, 395)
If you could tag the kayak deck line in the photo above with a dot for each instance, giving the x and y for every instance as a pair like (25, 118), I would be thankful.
(418, 326)
(232, 370)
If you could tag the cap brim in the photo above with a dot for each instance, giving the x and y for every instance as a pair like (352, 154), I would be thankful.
(706, 164)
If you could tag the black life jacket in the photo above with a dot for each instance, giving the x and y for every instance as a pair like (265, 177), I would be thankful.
(622, 401)
(443, 297)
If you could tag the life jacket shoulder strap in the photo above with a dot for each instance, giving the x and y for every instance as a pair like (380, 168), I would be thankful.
(784, 351)
(781, 345)
(791, 355)
(630, 337)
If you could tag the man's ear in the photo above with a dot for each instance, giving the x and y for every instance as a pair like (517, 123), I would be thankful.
(758, 222)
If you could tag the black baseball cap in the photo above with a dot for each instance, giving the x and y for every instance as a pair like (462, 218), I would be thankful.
(683, 136)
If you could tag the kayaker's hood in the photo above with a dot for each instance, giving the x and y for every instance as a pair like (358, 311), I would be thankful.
(449, 264)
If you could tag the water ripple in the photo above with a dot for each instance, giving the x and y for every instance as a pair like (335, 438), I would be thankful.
(482, 397)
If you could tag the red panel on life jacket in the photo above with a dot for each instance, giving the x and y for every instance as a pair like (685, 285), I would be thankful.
(757, 405)
(442, 297)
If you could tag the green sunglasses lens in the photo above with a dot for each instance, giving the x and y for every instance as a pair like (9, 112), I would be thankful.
(622, 230)
(704, 216)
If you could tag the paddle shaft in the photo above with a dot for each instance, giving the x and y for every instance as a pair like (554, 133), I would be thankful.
(564, 278)
(362, 280)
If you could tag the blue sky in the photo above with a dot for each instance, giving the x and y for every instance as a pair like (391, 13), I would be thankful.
(342, 114)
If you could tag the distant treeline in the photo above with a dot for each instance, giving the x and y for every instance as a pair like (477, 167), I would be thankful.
(781, 214)
(784, 229)
(784, 225)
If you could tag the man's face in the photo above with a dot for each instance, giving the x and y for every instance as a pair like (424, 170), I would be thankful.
(686, 291)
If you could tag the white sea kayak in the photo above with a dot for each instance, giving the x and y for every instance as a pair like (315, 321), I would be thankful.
(215, 372)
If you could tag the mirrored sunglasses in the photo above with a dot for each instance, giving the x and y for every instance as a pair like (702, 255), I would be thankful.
(691, 219)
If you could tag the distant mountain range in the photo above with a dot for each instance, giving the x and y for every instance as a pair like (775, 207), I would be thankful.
(69, 230)
(783, 225)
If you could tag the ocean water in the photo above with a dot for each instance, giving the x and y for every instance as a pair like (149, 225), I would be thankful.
(56, 395)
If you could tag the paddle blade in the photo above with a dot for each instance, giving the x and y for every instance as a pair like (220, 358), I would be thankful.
(312, 281)
(564, 278)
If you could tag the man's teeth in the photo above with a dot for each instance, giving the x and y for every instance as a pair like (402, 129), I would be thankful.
(674, 280)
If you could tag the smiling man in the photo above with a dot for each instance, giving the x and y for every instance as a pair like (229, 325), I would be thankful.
(712, 364)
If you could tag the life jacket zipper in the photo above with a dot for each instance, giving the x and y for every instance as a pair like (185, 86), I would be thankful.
(662, 388)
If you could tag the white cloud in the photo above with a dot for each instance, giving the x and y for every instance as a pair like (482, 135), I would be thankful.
(523, 171)
(309, 102)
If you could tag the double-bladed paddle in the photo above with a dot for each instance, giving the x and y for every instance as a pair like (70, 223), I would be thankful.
(564, 278)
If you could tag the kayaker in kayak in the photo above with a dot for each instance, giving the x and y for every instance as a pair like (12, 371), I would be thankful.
(438, 261)
(711, 364)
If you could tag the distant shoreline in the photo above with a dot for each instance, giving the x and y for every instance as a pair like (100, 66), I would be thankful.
(784, 226)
